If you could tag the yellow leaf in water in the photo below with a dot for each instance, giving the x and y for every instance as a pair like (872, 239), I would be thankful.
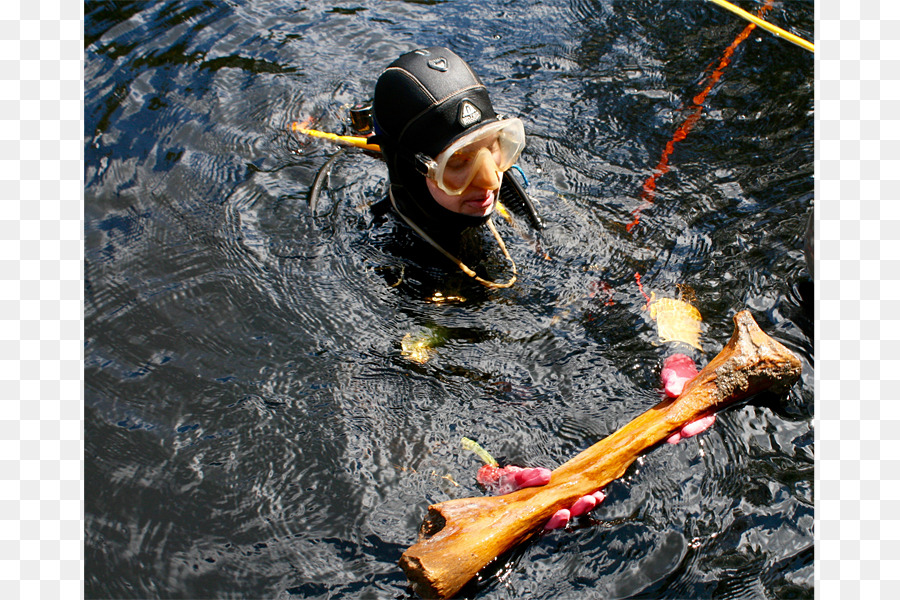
(501, 210)
(676, 321)
(417, 349)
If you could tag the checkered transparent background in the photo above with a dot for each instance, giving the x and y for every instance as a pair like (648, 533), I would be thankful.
(41, 250)
(857, 338)
(41, 299)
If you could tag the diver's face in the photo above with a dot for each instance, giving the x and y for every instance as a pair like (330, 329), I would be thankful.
(477, 200)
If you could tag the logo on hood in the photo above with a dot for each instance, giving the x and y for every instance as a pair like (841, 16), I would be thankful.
(468, 113)
(438, 64)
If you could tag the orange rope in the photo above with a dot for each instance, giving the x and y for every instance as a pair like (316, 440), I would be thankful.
(649, 190)
(637, 277)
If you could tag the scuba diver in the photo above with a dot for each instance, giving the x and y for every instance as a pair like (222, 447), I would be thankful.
(447, 152)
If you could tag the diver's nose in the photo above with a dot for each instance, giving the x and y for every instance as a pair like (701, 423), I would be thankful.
(488, 175)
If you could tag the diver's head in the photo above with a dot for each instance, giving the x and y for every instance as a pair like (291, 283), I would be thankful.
(445, 147)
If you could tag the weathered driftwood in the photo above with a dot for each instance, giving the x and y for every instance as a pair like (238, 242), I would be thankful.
(460, 537)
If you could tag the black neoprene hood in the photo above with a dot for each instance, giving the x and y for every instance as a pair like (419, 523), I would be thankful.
(423, 101)
(427, 98)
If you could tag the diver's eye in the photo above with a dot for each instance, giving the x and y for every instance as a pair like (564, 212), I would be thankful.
(459, 160)
(496, 151)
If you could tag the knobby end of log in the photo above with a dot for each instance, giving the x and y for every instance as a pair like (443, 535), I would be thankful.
(417, 575)
(760, 362)
(424, 580)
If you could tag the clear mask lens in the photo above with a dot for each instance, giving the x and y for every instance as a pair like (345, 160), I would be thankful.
(486, 152)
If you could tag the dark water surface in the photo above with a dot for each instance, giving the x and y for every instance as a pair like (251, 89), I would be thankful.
(252, 427)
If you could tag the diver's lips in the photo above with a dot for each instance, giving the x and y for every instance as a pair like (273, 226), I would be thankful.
(484, 201)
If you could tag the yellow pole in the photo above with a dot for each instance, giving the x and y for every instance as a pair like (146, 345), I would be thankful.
(765, 25)
(359, 142)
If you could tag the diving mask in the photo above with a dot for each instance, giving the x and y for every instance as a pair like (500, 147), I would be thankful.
(497, 144)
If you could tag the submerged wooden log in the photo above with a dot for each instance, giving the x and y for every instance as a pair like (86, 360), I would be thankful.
(460, 537)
